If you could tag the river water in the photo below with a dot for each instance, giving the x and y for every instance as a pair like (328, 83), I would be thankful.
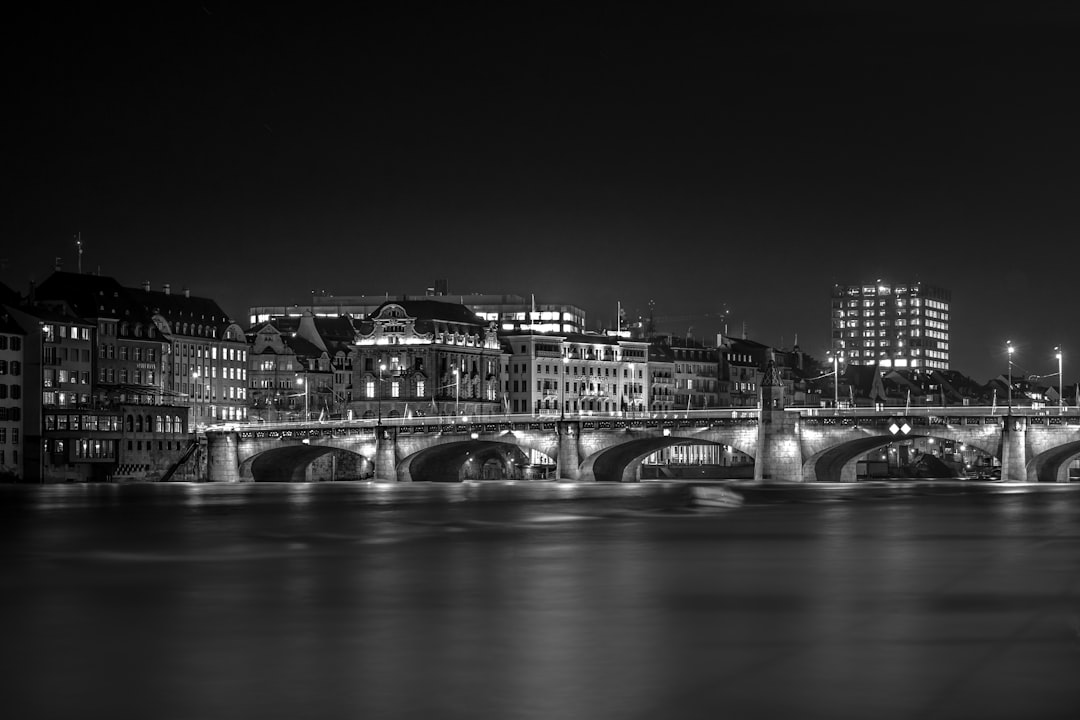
(349, 601)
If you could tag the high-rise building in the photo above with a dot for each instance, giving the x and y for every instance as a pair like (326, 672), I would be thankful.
(900, 325)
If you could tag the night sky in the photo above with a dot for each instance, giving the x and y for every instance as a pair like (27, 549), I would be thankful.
(740, 160)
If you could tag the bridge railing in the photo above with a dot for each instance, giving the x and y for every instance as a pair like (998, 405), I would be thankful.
(923, 410)
(717, 413)
(500, 418)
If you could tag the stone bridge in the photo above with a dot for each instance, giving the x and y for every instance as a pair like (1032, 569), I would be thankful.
(792, 444)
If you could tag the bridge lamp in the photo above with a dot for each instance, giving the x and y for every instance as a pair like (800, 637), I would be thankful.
(1010, 351)
(1061, 386)
(474, 435)
(379, 392)
(894, 428)
(667, 432)
(300, 381)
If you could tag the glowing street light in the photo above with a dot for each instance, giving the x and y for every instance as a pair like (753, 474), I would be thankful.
(300, 381)
(1010, 351)
(1061, 385)
(836, 381)
(457, 390)
(562, 389)
(379, 392)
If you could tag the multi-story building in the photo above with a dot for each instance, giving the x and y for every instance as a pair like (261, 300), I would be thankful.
(300, 366)
(12, 337)
(57, 390)
(899, 325)
(424, 357)
(133, 426)
(559, 374)
(207, 361)
(661, 378)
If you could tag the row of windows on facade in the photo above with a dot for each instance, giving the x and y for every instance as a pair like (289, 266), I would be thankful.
(227, 373)
(228, 354)
(14, 457)
(10, 342)
(4, 436)
(13, 367)
(138, 354)
(50, 355)
(209, 392)
(53, 333)
(12, 391)
(542, 369)
(93, 449)
(14, 414)
(113, 423)
(51, 398)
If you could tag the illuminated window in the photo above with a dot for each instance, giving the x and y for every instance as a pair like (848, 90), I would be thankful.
(369, 388)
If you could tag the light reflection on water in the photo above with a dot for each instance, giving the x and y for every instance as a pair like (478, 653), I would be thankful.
(328, 601)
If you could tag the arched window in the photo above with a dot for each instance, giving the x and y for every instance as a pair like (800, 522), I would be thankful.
(138, 423)
(149, 423)
(177, 425)
(130, 423)
(159, 426)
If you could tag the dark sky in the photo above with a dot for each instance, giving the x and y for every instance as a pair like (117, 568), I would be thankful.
(738, 159)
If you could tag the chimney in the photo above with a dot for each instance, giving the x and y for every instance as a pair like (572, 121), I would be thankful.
(187, 293)
(167, 289)
(146, 286)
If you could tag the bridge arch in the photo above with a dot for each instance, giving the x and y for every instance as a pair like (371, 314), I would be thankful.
(621, 463)
(838, 463)
(468, 459)
(1053, 465)
(305, 463)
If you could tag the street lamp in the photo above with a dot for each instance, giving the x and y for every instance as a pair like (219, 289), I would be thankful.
(457, 390)
(1010, 351)
(379, 391)
(301, 381)
(562, 389)
(836, 381)
(1061, 385)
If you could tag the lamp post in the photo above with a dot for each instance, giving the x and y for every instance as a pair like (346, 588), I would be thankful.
(457, 391)
(562, 389)
(379, 392)
(1010, 352)
(836, 382)
(1061, 383)
(302, 381)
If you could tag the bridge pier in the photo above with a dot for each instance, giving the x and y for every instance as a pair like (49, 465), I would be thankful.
(1014, 467)
(568, 461)
(221, 458)
(779, 457)
(779, 452)
(385, 455)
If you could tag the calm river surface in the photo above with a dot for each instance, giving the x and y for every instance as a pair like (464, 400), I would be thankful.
(339, 601)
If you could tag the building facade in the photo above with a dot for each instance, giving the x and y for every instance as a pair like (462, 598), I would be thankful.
(300, 367)
(207, 352)
(12, 338)
(553, 374)
(897, 325)
(424, 357)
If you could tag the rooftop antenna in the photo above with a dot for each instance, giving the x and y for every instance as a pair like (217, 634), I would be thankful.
(78, 244)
